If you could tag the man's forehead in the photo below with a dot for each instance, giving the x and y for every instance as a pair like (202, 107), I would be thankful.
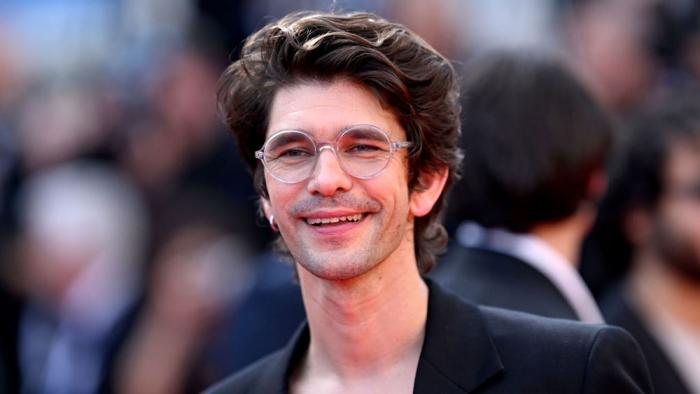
(323, 109)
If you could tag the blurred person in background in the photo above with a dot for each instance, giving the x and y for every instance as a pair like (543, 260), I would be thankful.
(198, 275)
(676, 41)
(13, 85)
(650, 225)
(80, 248)
(448, 36)
(628, 52)
(179, 128)
(670, 40)
(610, 45)
(71, 125)
(176, 142)
(127, 87)
(535, 146)
(274, 296)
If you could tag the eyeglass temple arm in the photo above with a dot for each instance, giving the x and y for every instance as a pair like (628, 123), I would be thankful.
(402, 144)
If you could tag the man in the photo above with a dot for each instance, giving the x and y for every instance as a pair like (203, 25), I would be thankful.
(353, 121)
(81, 236)
(651, 219)
(536, 143)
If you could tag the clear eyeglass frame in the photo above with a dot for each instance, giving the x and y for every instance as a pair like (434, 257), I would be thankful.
(318, 147)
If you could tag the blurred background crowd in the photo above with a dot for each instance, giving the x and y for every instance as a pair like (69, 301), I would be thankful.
(132, 255)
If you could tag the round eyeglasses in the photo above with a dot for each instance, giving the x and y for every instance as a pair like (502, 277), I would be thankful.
(363, 151)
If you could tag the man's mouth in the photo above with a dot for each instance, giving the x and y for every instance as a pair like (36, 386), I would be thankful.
(335, 220)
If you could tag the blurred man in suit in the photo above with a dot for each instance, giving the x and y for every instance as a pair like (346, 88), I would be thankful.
(651, 220)
(79, 250)
(536, 144)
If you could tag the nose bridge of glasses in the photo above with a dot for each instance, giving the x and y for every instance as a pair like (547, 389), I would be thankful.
(325, 146)
(328, 174)
(331, 150)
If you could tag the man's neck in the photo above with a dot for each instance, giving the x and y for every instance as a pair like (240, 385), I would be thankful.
(654, 282)
(566, 235)
(365, 331)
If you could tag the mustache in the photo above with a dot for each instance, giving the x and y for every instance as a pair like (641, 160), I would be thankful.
(347, 201)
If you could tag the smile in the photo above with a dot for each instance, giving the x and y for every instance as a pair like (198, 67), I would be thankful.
(334, 220)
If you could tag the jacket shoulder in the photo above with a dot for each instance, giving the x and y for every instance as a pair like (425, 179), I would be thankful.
(595, 357)
(500, 280)
(518, 325)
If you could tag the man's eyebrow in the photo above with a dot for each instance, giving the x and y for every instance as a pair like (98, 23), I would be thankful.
(338, 131)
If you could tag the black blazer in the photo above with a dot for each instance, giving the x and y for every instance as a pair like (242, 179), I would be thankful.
(495, 279)
(619, 312)
(470, 349)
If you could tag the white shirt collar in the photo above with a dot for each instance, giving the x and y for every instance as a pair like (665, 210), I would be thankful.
(540, 256)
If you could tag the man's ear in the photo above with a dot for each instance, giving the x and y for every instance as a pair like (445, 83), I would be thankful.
(266, 207)
(427, 193)
(597, 185)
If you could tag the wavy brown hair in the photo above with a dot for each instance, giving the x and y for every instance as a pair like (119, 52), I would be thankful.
(406, 74)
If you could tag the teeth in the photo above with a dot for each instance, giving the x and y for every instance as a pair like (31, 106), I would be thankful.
(349, 218)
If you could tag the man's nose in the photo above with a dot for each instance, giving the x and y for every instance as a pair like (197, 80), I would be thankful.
(328, 176)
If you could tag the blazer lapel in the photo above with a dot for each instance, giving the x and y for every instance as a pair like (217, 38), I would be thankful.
(275, 378)
(458, 354)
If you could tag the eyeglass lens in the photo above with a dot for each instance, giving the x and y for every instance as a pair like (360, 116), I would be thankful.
(362, 152)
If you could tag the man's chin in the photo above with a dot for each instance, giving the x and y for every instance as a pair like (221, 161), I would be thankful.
(335, 268)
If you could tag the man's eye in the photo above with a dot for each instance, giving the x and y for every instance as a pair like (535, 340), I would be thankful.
(362, 148)
(294, 153)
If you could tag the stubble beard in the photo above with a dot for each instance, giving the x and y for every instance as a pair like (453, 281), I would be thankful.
(347, 261)
(341, 260)
(677, 252)
(336, 265)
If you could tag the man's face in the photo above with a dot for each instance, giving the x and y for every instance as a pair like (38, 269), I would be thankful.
(348, 248)
(676, 227)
